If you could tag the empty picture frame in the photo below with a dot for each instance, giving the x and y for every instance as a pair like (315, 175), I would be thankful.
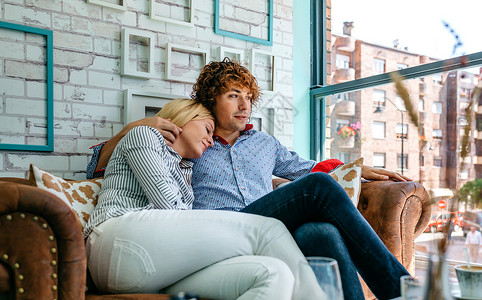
(47, 92)
(121, 6)
(263, 65)
(204, 54)
(217, 29)
(131, 68)
(137, 103)
(263, 119)
(233, 54)
(173, 10)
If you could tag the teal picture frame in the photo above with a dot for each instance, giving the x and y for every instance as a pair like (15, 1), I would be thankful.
(268, 42)
(48, 34)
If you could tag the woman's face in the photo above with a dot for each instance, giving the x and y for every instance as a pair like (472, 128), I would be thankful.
(195, 138)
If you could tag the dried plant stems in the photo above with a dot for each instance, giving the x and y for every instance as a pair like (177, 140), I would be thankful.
(402, 91)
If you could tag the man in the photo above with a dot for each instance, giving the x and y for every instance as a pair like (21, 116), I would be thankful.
(235, 174)
(473, 241)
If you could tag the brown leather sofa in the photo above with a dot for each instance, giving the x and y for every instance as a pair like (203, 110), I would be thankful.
(42, 252)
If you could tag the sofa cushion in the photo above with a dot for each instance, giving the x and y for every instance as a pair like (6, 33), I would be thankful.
(81, 196)
(349, 177)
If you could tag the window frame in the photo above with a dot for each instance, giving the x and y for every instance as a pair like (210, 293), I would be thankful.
(320, 89)
(384, 130)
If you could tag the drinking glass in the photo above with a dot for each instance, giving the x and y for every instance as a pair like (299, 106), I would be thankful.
(328, 276)
(412, 288)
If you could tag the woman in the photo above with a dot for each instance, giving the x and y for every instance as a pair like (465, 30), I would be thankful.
(143, 236)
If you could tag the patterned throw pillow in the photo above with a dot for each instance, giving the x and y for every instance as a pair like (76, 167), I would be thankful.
(81, 195)
(349, 177)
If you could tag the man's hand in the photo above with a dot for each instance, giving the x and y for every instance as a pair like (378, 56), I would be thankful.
(168, 130)
(371, 173)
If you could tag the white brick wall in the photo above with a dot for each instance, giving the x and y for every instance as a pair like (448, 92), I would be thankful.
(88, 87)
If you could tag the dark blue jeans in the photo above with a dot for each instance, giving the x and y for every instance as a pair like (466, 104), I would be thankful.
(324, 222)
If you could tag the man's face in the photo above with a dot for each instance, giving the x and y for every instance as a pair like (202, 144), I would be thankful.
(232, 110)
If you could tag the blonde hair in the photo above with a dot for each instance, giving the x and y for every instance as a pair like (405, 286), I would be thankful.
(181, 111)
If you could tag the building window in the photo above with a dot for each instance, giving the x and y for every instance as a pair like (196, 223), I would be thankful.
(421, 104)
(343, 156)
(464, 174)
(437, 79)
(402, 131)
(437, 161)
(346, 96)
(422, 160)
(379, 160)
(465, 94)
(378, 98)
(378, 130)
(437, 107)
(378, 66)
(340, 123)
(401, 66)
(400, 104)
(402, 164)
(342, 61)
(437, 134)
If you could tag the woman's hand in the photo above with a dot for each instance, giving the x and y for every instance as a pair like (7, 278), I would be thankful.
(371, 173)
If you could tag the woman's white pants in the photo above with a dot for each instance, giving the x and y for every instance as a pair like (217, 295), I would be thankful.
(215, 254)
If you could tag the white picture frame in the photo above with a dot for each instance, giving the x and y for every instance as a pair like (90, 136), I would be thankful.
(181, 48)
(126, 68)
(153, 16)
(221, 53)
(122, 6)
(272, 76)
(136, 102)
(263, 119)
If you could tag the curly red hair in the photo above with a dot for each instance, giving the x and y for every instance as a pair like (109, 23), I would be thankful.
(218, 77)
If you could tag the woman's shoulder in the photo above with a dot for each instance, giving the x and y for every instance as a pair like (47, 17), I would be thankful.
(144, 135)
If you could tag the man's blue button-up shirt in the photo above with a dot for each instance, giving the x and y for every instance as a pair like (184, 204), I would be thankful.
(231, 177)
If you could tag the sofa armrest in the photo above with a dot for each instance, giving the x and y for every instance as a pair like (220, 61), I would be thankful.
(41, 244)
(398, 212)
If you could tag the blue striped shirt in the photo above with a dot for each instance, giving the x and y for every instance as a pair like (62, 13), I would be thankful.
(231, 177)
(142, 173)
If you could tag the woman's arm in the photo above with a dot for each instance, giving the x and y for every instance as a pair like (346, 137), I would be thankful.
(168, 130)
(152, 164)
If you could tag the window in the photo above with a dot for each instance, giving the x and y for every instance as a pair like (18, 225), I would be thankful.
(342, 61)
(464, 174)
(402, 164)
(378, 130)
(422, 160)
(465, 94)
(343, 156)
(378, 66)
(401, 66)
(421, 104)
(378, 97)
(437, 161)
(340, 123)
(400, 104)
(437, 79)
(379, 160)
(463, 121)
(346, 96)
(437, 107)
(402, 131)
(437, 134)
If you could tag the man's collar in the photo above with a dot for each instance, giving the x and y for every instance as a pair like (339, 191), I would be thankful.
(224, 142)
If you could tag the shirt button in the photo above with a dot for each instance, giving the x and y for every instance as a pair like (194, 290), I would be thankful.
(237, 169)
(241, 187)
